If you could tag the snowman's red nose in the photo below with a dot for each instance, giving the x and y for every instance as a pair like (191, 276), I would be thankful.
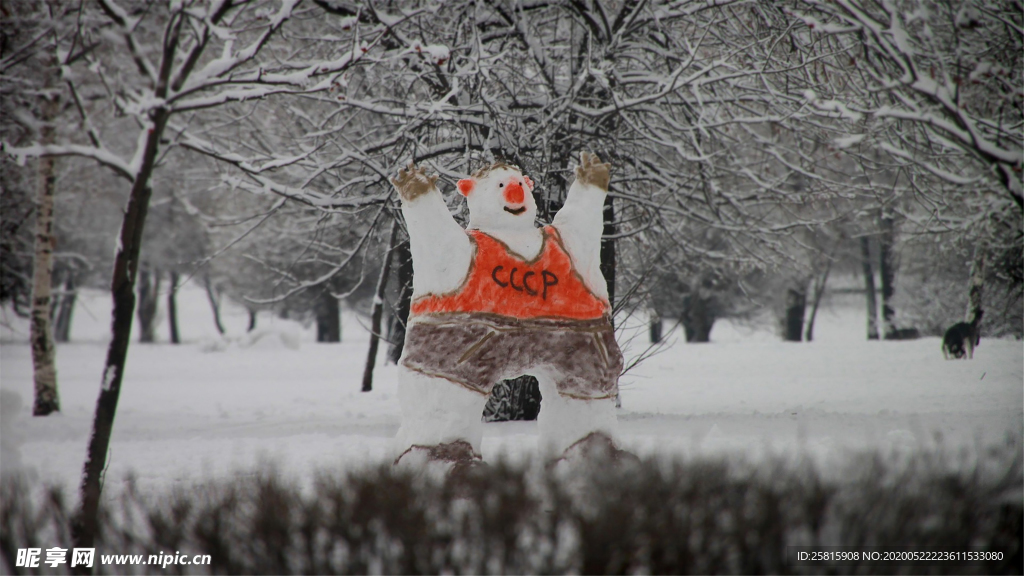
(514, 193)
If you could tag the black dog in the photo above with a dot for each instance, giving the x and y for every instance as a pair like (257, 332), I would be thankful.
(961, 338)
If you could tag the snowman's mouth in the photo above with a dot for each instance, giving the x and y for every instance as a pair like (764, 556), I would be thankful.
(515, 211)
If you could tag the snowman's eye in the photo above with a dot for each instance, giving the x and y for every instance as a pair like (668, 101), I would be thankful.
(501, 185)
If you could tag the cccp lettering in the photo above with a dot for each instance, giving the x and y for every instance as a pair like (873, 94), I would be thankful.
(548, 279)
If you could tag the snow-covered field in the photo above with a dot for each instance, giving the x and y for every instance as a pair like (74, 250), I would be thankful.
(199, 410)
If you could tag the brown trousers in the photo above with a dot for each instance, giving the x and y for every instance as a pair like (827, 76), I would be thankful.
(477, 350)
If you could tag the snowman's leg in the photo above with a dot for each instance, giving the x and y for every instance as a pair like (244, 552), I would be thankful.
(437, 412)
(565, 420)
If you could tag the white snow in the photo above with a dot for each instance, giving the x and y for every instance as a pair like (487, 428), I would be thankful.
(186, 415)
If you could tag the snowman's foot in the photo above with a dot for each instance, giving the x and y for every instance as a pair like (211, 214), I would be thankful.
(455, 460)
(596, 447)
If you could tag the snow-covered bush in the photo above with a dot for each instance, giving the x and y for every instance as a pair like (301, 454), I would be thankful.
(659, 516)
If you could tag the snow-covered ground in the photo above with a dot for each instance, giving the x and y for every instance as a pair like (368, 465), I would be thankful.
(200, 410)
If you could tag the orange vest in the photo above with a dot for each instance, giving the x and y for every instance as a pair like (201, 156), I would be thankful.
(500, 283)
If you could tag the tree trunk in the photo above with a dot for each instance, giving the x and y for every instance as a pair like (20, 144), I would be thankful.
(328, 318)
(608, 264)
(44, 365)
(149, 292)
(887, 272)
(656, 325)
(172, 308)
(977, 285)
(819, 291)
(608, 249)
(697, 319)
(122, 289)
(869, 287)
(378, 310)
(211, 295)
(403, 258)
(252, 321)
(796, 306)
(66, 308)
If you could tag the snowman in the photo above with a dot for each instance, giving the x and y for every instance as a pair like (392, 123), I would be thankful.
(501, 299)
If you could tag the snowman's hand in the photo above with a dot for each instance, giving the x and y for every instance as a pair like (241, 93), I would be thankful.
(413, 182)
(592, 171)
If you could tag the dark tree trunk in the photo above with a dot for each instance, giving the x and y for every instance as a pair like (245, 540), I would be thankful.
(122, 289)
(149, 291)
(608, 249)
(214, 298)
(977, 285)
(656, 325)
(887, 272)
(796, 306)
(819, 291)
(252, 321)
(698, 319)
(378, 310)
(66, 308)
(172, 308)
(869, 287)
(608, 263)
(403, 258)
(328, 318)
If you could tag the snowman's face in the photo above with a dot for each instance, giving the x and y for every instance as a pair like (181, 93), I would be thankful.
(501, 199)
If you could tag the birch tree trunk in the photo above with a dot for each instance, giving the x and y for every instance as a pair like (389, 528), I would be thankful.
(869, 287)
(44, 366)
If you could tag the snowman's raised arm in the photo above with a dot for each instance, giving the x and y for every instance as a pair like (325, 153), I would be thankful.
(580, 221)
(441, 250)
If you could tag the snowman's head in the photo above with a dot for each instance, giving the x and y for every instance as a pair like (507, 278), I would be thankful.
(499, 197)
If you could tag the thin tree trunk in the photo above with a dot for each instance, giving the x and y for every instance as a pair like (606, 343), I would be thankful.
(403, 257)
(869, 287)
(608, 262)
(819, 291)
(211, 295)
(887, 272)
(378, 310)
(44, 366)
(172, 308)
(796, 307)
(977, 285)
(656, 325)
(608, 249)
(149, 292)
(66, 308)
(84, 527)
(328, 318)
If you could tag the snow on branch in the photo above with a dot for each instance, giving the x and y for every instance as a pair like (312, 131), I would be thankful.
(100, 155)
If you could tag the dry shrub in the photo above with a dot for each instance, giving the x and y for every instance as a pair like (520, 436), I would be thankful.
(659, 516)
